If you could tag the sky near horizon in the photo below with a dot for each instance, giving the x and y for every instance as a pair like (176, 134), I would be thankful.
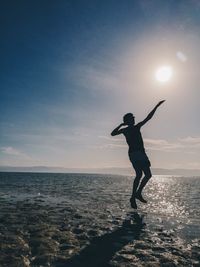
(70, 70)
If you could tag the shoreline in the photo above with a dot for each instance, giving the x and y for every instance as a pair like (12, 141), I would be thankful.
(35, 233)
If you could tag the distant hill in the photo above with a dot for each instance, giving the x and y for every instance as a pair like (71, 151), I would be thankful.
(120, 171)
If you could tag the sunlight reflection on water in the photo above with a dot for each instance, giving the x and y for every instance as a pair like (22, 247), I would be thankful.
(174, 200)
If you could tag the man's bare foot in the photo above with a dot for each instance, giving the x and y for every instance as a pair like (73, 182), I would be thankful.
(140, 197)
(133, 203)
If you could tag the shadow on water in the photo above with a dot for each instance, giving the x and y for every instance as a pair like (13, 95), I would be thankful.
(101, 249)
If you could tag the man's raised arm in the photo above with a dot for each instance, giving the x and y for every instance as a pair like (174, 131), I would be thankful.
(117, 130)
(150, 115)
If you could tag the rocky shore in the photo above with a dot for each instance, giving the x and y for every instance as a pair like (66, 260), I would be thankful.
(35, 233)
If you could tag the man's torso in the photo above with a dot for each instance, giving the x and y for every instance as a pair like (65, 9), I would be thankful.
(134, 139)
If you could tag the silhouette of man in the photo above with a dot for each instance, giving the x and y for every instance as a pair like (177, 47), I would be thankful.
(137, 154)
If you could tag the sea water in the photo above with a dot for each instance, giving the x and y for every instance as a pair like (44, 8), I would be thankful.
(104, 199)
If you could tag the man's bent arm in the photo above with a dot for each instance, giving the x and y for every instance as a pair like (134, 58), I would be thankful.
(117, 130)
(150, 115)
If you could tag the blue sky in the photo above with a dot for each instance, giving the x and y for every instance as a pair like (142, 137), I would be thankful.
(71, 69)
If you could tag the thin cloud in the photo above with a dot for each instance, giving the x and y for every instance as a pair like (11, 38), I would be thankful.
(109, 146)
(47, 137)
(110, 138)
(152, 144)
(11, 151)
(191, 141)
(115, 146)
(158, 144)
(195, 165)
(94, 77)
(162, 145)
(181, 144)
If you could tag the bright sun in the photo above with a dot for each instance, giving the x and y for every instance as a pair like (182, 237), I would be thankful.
(163, 74)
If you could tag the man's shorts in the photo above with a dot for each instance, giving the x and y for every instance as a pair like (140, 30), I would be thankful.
(139, 160)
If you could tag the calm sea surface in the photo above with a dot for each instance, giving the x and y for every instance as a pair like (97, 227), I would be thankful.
(103, 199)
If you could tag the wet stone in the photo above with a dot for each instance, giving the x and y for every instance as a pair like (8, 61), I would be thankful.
(93, 233)
(77, 216)
(34, 234)
(14, 261)
(159, 249)
(66, 246)
(78, 231)
(43, 260)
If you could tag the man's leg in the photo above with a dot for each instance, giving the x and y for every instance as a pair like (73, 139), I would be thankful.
(148, 175)
(136, 181)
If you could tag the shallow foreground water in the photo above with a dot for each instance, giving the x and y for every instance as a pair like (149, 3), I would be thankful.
(86, 220)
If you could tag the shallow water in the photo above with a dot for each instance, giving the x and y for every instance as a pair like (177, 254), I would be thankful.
(89, 206)
(175, 199)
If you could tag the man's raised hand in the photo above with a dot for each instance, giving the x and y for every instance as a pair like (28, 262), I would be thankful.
(160, 103)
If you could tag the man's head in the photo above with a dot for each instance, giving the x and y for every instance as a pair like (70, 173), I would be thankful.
(129, 119)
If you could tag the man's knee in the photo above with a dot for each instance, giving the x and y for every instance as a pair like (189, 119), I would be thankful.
(138, 176)
(148, 176)
(147, 173)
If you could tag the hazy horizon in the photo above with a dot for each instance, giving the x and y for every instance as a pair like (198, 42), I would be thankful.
(110, 170)
(70, 71)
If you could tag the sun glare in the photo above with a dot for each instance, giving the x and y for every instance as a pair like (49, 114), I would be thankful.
(163, 74)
